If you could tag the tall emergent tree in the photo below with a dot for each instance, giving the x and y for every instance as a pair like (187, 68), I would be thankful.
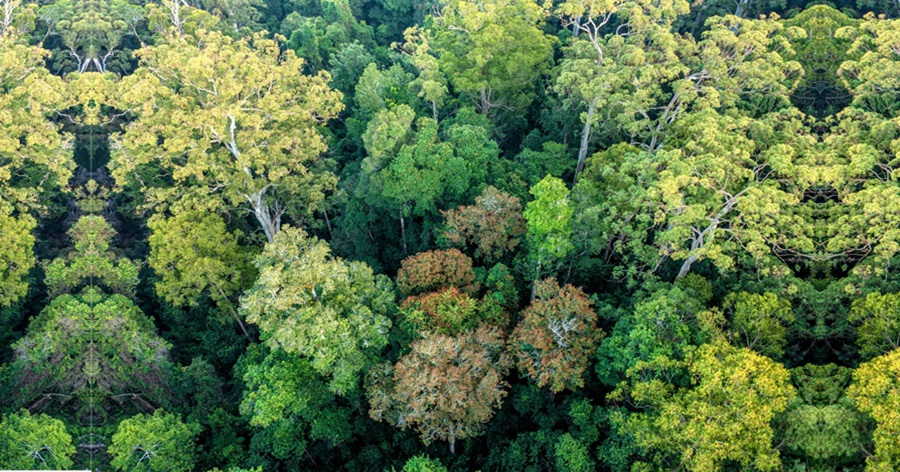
(229, 121)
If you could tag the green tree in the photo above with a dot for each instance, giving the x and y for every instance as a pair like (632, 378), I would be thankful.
(724, 417)
(93, 33)
(877, 317)
(661, 324)
(230, 122)
(194, 256)
(310, 303)
(153, 443)
(876, 392)
(35, 442)
(16, 253)
(549, 227)
(91, 261)
(101, 349)
(494, 51)
(290, 405)
(423, 464)
(760, 322)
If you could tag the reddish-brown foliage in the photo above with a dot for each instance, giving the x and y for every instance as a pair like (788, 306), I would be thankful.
(558, 333)
(493, 225)
(446, 388)
(434, 270)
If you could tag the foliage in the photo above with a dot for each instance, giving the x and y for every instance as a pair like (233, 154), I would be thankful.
(259, 120)
(157, 442)
(434, 270)
(34, 442)
(446, 388)
(310, 303)
(94, 347)
(16, 254)
(493, 226)
(874, 391)
(878, 317)
(554, 340)
(724, 416)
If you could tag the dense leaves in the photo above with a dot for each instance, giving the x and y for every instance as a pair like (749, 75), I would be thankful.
(455, 235)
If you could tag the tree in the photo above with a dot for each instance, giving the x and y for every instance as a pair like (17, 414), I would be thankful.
(307, 302)
(661, 324)
(723, 417)
(493, 225)
(876, 392)
(235, 122)
(16, 253)
(91, 261)
(494, 51)
(195, 256)
(870, 69)
(92, 33)
(423, 464)
(101, 349)
(29, 94)
(760, 322)
(617, 72)
(413, 170)
(446, 388)
(35, 442)
(572, 456)
(289, 404)
(153, 443)
(449, 311)
(434, 270)
(556, 337)
(33, 155)
(627, 64)
(688, 204)
(317, 38)
(549, 223)
(877, 317)
(431, 84)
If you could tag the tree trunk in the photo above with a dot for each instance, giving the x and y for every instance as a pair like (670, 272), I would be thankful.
(585, 139)
(269, 220)
(403, 234)
(235, 314)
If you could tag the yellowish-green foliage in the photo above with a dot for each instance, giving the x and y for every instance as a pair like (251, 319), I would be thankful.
(195, 255)
(234, 122)
(876, 392)
(877, 318)
(35, 442)
(871, 73)
(723, 417)
(492, 50)
(29, 95)
(310, 303)
(757, 321)
(16, 253)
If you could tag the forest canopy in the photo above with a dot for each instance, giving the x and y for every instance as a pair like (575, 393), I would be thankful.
(450, 235)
